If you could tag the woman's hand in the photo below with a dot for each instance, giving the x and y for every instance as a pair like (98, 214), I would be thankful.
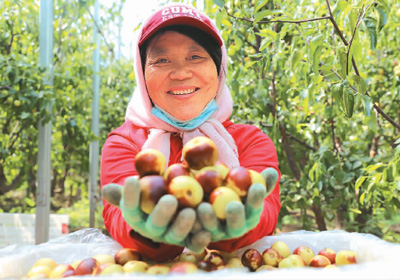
(183, 231)
(239, 218)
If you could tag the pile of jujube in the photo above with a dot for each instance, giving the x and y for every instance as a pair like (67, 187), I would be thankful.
(199, 177)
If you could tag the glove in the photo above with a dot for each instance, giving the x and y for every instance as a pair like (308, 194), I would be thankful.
(184, 229)
(240, 218)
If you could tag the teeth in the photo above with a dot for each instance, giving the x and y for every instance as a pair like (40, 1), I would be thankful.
(181, 92)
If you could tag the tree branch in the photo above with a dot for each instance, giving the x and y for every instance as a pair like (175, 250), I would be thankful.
(301, 142)
(295, 21)
(99, 30)
(351, 40)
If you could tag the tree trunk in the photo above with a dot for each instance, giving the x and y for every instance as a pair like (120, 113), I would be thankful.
(319, 217)
(289, 155)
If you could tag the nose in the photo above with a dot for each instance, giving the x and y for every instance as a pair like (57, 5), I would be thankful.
(181, 71)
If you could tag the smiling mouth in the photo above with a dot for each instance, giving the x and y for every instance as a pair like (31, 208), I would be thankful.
(182, 92)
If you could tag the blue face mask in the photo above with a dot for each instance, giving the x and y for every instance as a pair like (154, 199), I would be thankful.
(186, 125)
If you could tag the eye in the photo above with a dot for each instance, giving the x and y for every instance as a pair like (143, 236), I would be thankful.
(161, 60)
(195, 57)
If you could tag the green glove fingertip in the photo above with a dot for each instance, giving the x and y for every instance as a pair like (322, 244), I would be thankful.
(131, 196)
(255, 196)
(112, 193)
(207, 216)
(235, 219)
(271, 176)
(181, 227)
(199, 241)
(163, 212)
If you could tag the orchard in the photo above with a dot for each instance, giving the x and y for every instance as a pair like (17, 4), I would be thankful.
(320, 78)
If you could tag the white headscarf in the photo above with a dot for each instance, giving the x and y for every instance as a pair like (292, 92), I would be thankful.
(139, 113)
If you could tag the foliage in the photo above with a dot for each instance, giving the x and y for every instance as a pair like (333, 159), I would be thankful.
(325, 73)
(25, 100)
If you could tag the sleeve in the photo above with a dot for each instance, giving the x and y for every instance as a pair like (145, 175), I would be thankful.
(117, 163)
(257, 152)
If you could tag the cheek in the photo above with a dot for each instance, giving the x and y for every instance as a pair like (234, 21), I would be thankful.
(151, 80)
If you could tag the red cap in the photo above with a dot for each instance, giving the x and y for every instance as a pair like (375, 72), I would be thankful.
(179, 14)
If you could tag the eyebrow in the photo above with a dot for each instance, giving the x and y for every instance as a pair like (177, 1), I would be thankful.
(155, 51)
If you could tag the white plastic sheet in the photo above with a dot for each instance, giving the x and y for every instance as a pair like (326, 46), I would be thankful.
(377, 258)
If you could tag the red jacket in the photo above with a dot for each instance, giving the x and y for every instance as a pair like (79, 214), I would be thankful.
(256, 151)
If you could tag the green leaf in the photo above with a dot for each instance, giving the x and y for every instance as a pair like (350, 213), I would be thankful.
(219, 3)
(316, 57)
(382, 12)
(348, 102)
(29, 201)
(337, 93)
(362, 197)
(294, 58)
(359, 84)
(355, 210)
(260, 5)
(370, 24)
(373, 167)
(359, 181)
(261, 15)
(315, 43)
(25, 115)
(396, 202)
(367, 104)
(341, 51)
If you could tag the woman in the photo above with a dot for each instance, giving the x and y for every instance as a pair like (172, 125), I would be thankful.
(180, 70)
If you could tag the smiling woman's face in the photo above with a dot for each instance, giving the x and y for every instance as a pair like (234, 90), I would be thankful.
(181, 77)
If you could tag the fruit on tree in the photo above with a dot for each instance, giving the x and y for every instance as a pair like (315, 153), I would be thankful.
(219, 199)
(397, 71)
(125, 255)
(252, 259)
(271, 257)
(187, 191)
(150, 162)
(305, 253)
(152, 188)
(282, 248)
(344, 257)
(239, 179)
(200, 152)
